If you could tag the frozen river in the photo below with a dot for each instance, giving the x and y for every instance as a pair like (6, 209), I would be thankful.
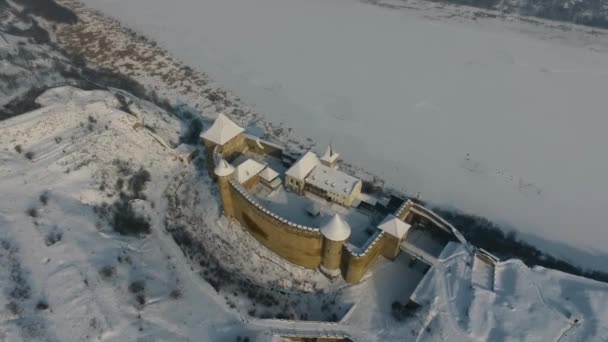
(486, 117)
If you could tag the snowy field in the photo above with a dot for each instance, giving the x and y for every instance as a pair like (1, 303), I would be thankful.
(498, 118)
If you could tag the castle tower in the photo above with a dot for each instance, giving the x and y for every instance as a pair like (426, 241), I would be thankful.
(395, 231)
(330, 157)
(224, 172)
(225, 137)
(335, 232)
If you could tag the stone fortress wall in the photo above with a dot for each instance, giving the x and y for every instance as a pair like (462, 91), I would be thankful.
(302, 245)
(298, 244)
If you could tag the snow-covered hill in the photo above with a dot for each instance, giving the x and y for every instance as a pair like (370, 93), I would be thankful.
(67, 274)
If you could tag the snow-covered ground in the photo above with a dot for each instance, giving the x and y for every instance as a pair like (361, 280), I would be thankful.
(517, 303)
(66, 275)
(496, 117)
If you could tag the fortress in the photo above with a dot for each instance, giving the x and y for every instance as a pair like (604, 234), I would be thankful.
(250, 173)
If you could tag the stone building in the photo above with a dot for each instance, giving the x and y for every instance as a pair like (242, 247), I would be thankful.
(223, 137)
(326, 247)
(322, 177)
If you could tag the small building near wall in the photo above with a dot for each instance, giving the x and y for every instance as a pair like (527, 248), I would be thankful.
(270, 178)
(247, 173)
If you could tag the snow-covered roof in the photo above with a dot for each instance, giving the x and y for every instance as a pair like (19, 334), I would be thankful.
(303, 166)
(268, 174)
(336, 229)
(223, 168)
(222, 130)
(394, 226)
(332, 180)
(248, 169)
(330, 155)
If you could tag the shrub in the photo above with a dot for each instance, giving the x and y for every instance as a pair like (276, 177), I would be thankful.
(137, 286)
(192, 132)
(124, 103)
(137, 289)
(53, 237)
(32, 212)
(119, 184)
(126, 222)
(138, 181)
(401, 312)
(21, 289)
(18, 149)
(42, 305)
(13, 307)
(140, 298)
(29, 155)
(123, 167)
(44, 198)
(175, 294)
(107, 271)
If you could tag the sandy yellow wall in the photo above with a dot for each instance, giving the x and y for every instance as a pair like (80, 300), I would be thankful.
(299, 246)
(354, 267)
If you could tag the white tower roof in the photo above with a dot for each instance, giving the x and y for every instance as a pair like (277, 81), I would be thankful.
(394, 226)
(223, 168)
(222, 130)
(336, 229)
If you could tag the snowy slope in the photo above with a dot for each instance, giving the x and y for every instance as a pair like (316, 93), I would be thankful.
(500, 118)
(54, 249)
(521, 304)
(25, 60)
(66, 275)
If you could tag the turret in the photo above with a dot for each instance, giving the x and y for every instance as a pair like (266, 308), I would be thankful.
(330, 157)
(395, 231)
(335, 232)
(225, 137)
(223, 170)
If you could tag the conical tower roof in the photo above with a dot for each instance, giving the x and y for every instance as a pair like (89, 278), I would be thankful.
(223, 168)
(336, 229)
